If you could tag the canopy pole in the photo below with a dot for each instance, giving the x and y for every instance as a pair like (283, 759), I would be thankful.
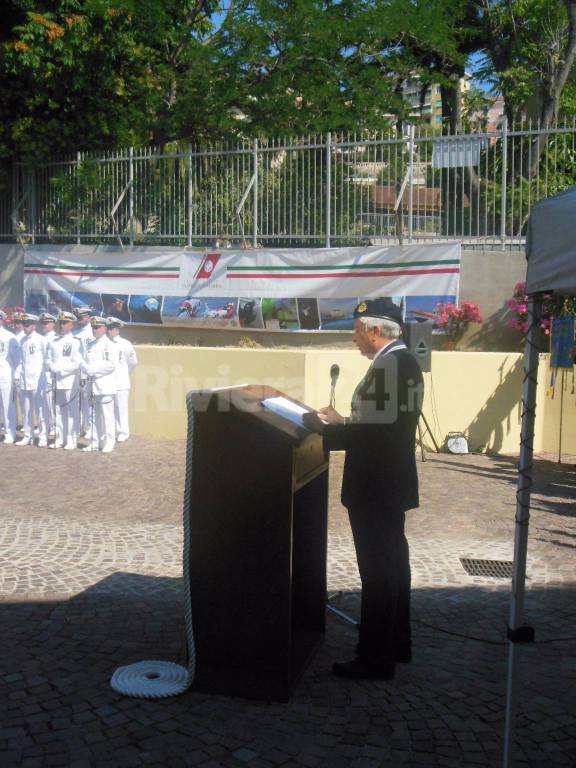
(523, 492)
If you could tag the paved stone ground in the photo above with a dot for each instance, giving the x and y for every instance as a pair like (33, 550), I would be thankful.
(90, 564)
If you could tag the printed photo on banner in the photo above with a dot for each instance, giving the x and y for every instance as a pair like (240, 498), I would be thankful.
(218, 313)
(308, 314)
(85, 299)
(421, 308)
(280, 314)
(61, 300)
(116, 305)
(37, 302)
(337, 314)
(145, 309)
(181, 308)
(205, 312)
(250, 313)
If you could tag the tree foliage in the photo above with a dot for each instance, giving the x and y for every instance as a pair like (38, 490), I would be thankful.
(96, 74)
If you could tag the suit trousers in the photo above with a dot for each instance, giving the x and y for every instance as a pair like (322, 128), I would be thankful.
(7, 409)
(384, 564)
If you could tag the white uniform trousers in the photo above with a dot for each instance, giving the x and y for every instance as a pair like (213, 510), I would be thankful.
(85, 410)
(7, 409)
(48, 409)
(19, 406)
(67, 416)
(104, 426)
(33, 414)
(121, 410)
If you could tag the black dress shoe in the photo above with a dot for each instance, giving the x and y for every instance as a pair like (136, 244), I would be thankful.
(361, 670)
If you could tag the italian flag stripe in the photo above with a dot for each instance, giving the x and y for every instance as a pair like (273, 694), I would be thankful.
(348, 267)
(341, 275)
(159, 273)
(51, 268)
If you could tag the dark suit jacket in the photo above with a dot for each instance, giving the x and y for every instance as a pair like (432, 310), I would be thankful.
(379, 437)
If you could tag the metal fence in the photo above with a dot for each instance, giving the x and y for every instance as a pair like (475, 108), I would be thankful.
(319, 190)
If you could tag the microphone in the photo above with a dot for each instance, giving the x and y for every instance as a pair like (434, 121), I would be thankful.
(334, 373)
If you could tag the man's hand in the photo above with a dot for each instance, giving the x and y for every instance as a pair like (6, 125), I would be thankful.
(330, 416)
(313, 422)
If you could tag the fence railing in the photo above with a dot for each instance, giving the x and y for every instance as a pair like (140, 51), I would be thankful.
(317, 190)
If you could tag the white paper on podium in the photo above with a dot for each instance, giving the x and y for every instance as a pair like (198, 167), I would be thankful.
(286, 408)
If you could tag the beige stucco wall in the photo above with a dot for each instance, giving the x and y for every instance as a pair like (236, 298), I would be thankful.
(477, 393)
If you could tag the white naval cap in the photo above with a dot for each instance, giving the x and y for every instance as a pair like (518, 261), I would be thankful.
(66, 317)
(27, 317)
(81, 311)
(114, 322)
(46, 317)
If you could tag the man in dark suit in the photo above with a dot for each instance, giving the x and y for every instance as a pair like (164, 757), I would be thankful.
(379, 485)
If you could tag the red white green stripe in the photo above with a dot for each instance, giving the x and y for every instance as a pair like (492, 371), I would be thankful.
(73, 270)
(344, 271)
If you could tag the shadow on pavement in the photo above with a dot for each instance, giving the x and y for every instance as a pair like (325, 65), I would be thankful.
(445, 709)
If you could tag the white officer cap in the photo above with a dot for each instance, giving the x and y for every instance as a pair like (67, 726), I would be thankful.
(114, 322)
(66, 317)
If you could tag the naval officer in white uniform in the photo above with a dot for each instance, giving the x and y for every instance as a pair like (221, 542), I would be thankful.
(127, 361)
(64, 360)
(99, 367)
(9, 359)
(30, 378)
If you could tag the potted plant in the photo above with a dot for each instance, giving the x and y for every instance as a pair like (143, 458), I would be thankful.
(454, 320)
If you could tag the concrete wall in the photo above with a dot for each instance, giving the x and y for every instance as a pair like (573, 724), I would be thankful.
(11, 275)
(475, 393)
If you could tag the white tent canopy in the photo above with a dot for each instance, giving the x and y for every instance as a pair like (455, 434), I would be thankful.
(551, 253)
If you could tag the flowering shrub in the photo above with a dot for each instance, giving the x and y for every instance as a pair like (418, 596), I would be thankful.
(10, 314)
(552, 306)
(455, 320)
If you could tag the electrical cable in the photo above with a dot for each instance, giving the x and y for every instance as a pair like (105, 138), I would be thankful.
(347, 618)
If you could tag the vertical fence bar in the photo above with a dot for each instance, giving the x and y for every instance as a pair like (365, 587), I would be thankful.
(328, 188)
(77, 188)
(410, 183)
(189, 195)
(504, 140)
(255, 196)
(131, 194)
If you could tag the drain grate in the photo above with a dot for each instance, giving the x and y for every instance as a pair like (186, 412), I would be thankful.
(495, 569)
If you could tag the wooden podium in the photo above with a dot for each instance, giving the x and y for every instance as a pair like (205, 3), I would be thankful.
(257, 493)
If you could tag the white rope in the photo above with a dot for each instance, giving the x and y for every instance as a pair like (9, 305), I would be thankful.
(161, 679)
(150, 679)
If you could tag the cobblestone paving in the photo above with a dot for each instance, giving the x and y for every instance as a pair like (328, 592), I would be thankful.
(90, 565)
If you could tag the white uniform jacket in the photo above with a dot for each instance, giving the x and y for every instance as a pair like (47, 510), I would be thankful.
(127, 361)
(84, 335)
(64, 360)
(9, 356)
(30, 373)
(99, 365)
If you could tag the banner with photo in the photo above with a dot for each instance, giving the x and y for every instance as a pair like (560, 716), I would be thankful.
(305, 289)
